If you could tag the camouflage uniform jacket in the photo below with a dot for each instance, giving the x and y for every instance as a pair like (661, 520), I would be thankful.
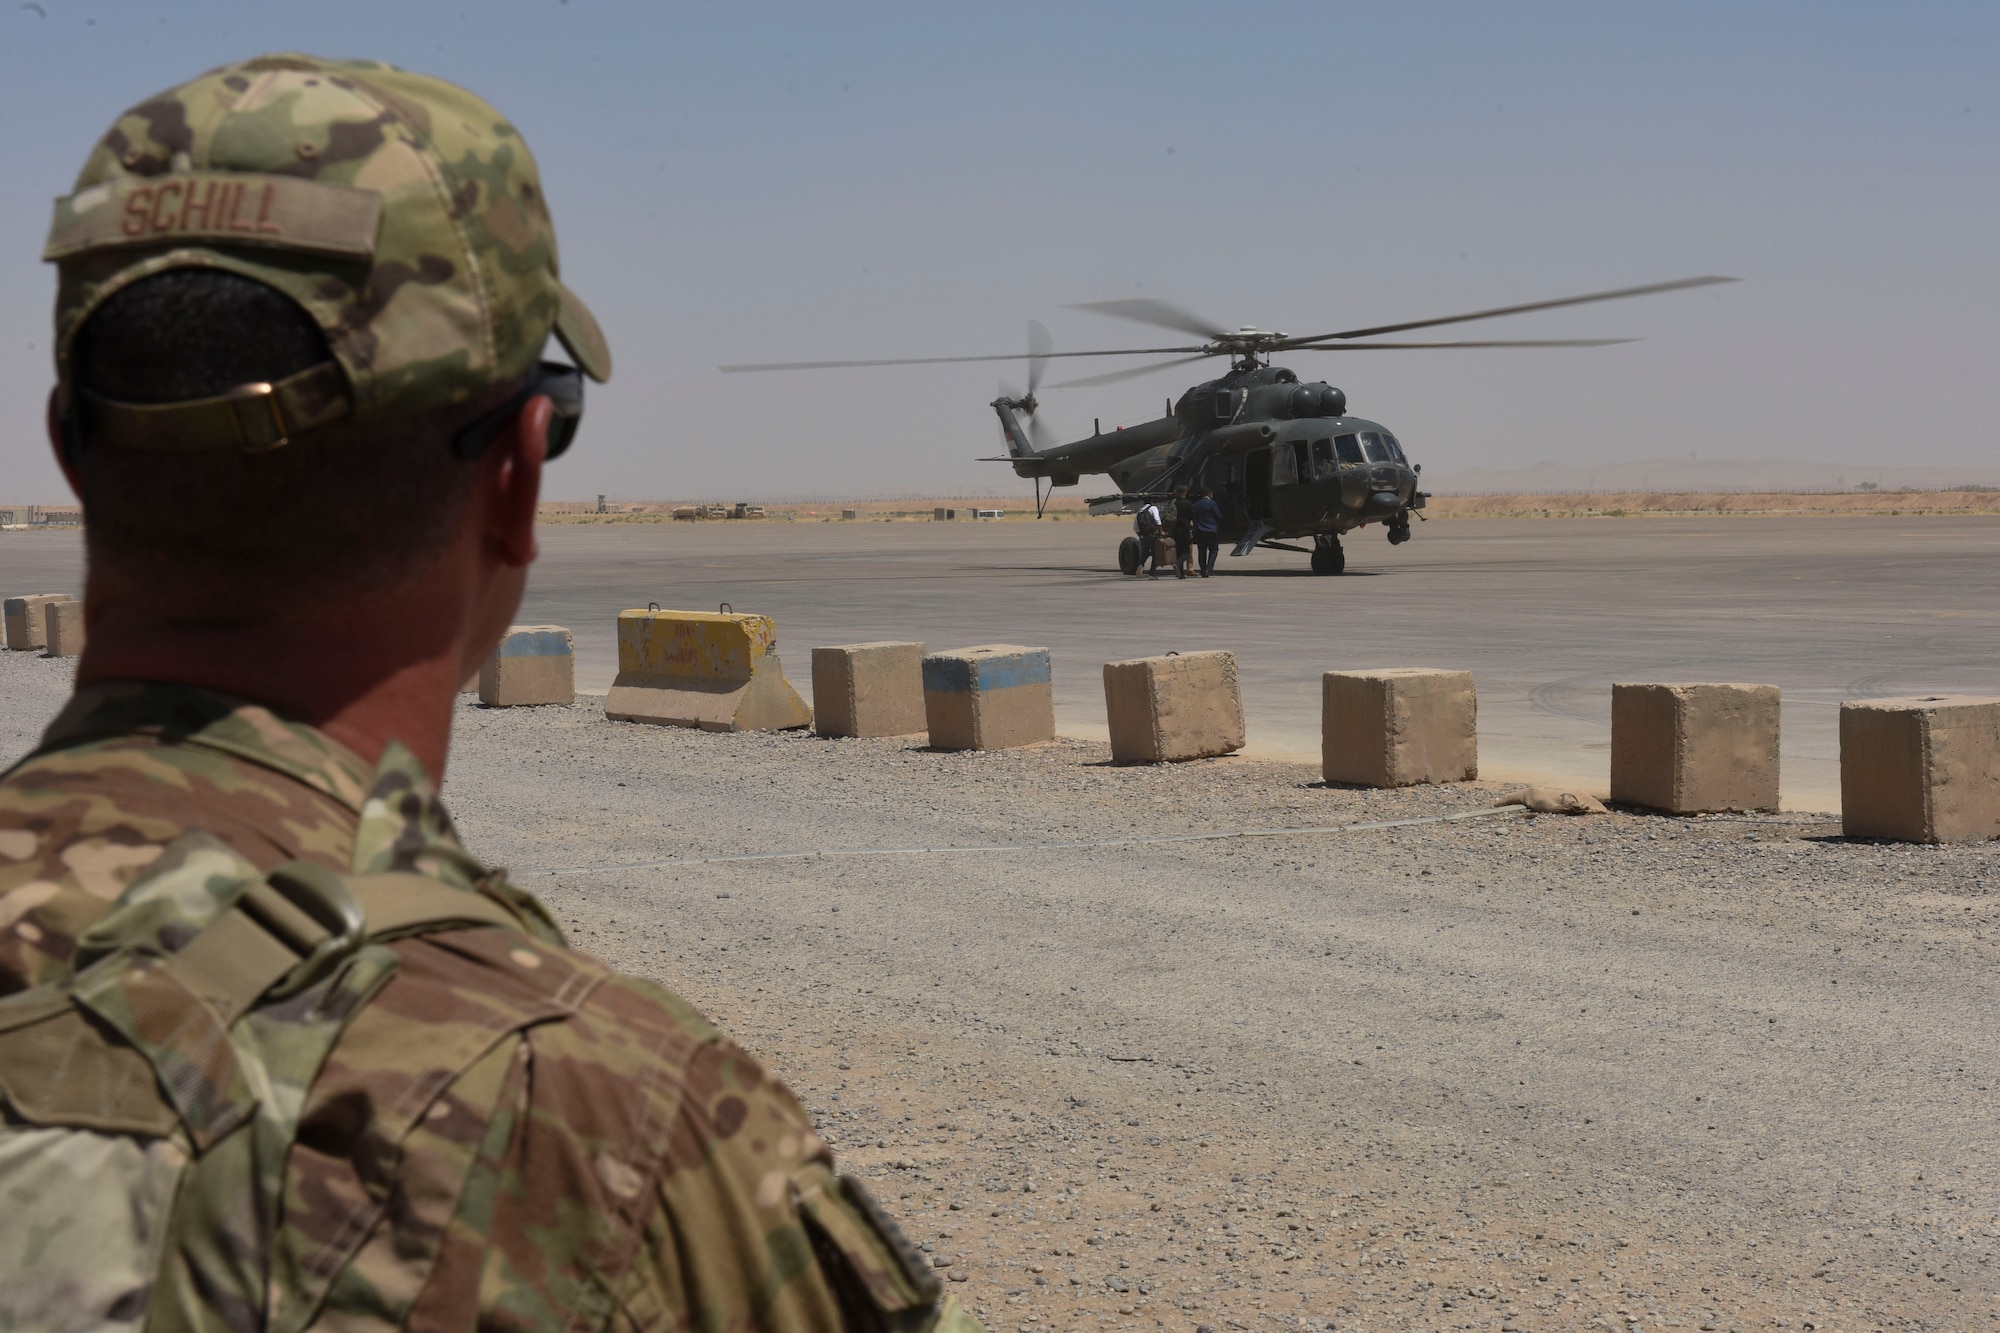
(509, 1135)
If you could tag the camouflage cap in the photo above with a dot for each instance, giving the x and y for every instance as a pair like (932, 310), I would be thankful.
(400, 211)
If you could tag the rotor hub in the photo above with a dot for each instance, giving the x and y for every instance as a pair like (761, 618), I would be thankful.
(1250, 347)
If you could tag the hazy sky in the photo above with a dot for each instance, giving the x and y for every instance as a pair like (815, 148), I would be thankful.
(738, 182)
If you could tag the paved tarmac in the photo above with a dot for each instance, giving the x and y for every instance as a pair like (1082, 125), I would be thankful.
(1545, 613)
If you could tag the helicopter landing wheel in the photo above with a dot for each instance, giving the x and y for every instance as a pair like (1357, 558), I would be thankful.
(1328, 557)
(1130, 556)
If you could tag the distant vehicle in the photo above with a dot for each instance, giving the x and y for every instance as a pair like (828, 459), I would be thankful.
(1285, 460)
(989, 513)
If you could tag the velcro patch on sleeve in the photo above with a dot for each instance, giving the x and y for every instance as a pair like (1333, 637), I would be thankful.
(862, 1246)
(236, 208)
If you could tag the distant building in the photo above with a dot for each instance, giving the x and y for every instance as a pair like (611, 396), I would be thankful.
(37, 516)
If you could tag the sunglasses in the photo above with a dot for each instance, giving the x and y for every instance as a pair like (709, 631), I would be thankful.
(561, 385)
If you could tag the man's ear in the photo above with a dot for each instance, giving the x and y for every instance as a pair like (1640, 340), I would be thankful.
(512, 484)
(61, 446)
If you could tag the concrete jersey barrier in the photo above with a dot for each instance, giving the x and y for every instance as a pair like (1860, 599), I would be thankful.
(1399, 726)
(62, 627)
(704, 669)
(1921, 769)
(1167, 709)
(1690, 748)
(989, 697)
(534, 664)
(26, 629)
(868, 689)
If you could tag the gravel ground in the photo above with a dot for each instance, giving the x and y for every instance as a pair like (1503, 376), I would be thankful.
(1499, 1072)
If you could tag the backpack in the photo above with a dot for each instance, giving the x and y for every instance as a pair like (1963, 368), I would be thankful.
(1148, 521)
(153, 1094)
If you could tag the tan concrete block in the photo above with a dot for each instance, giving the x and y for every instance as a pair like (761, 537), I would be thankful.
(717, 672)
(534, 664)
(62, 627)
(991, 696)
(25, 626)
(1921, 769)
(868, 689)
(1166, 709)
(1695, 747)
(1399, 726)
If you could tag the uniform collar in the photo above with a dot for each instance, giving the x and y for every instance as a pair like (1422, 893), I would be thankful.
(187, 715)
(402, 824)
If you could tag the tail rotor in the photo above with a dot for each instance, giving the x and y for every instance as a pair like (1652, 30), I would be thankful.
(1040, 345)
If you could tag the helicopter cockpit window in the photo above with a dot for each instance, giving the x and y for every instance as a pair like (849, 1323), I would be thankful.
(1322, 458)
(1395, 447)
(1349, 447)
(1225, 405)
(1372, 446)
(1297, 464)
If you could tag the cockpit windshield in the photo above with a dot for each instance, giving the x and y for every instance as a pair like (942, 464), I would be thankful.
(1377, 451)
(1349, 447)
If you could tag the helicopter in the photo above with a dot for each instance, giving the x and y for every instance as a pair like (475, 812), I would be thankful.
(1284, 459)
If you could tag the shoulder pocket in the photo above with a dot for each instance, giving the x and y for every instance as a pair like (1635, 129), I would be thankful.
(878, 1278)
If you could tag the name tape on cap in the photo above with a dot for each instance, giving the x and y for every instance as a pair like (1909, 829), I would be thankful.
(233, 207)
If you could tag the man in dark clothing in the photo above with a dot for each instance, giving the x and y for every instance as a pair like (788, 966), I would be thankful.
(1206, 520)
(1183, 531)
(1147, 525)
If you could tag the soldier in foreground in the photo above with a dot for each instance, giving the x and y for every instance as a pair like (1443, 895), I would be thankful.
(276, 1051)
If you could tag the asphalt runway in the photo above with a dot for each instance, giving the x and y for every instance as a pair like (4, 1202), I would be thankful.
(1545, 613)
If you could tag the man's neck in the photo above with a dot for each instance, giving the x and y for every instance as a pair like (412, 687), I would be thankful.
(344, 669)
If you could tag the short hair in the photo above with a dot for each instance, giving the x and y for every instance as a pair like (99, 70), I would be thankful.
(347, 506)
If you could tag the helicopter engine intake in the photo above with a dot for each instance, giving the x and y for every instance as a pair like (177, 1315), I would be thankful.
(1317, 400)
(1235, 439)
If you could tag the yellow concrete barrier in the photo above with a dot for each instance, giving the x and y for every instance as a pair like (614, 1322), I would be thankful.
(714, 671)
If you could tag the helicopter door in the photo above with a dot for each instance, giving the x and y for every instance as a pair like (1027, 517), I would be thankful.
(1257, 484)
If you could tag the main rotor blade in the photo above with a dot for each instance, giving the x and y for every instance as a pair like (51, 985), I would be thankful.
(1115, 376)
(1494, 342)
(1617, 295)
(1162, 314)
(941, 360)
(1039, 347)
